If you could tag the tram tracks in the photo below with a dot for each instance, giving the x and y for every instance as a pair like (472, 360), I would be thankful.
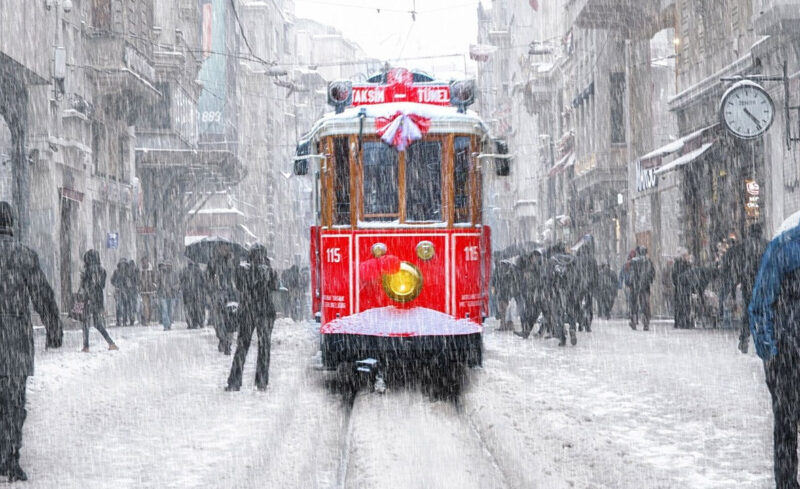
(381, 436)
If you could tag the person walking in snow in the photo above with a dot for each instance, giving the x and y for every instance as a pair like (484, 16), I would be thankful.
(221, 274)
(562, 292)
(774, 312)
(168, 287)
(641, 276)
(131, 290)
(682, 282)
(587, 283)
(117, 280)
(740, 267)
(607, 290)
(530, 291)
(22, 283)
(192, 287)
(256, 281)
(93, 282)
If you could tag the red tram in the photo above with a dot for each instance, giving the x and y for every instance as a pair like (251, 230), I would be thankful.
(400, 257)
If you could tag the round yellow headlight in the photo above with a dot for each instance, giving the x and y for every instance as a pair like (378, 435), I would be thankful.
(425, 250)
(403, 285)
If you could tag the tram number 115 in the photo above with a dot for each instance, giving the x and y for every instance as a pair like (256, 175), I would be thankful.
(333, 255)
(471, 253)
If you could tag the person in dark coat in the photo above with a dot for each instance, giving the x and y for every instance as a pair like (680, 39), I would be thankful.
(22, 282)
(642, 274)
(588, 279)
(505, 284)
(607, 290)
(131, 290)
(168, 288)
(192, 287)
(292, 281)
(530, 291)
(740, 267)
(147, 287)
(682, 282)
(774, 314)
(93, 282)
(256, 281)
(562, 291)
(118, 280)
(221, 272)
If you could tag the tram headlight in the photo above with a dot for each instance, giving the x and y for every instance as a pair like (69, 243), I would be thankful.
(425, 250)
(340, 94)
(403, 285)
(378, 250)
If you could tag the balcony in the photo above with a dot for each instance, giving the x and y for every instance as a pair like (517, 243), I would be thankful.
(119, 70)
(772, 17)
(632, 17)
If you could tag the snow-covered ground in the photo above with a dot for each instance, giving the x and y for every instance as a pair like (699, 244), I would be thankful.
(623, 409)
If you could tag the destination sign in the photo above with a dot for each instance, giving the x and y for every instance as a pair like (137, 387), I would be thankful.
(380, 94)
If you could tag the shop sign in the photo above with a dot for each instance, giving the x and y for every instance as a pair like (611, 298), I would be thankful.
(752, 205)
(646, 178)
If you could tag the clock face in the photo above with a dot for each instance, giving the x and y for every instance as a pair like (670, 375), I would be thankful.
(747, 110)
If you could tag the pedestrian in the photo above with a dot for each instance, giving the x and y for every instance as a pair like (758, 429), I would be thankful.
(256, 281)
(562, 287)
(291, 280)
(22, 282)
(741, 267)
(506, 287)
(530, 296)
(607, 290)
(587, 282)
(93, 282)
(773, 314)
(192, 286)
(221, 271)
(682, 284)
(642, 274)
(147, 288)
(131, 290)
(118, 280)
(168, 287)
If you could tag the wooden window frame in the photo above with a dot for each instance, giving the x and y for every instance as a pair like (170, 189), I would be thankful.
(447, 141)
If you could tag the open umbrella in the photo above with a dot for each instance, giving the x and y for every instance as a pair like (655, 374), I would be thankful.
(202, 251)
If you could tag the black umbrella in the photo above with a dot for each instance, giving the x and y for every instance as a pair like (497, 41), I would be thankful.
(202, 251)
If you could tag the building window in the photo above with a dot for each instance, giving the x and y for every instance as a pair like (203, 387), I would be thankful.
(617, 88)
(101, 14)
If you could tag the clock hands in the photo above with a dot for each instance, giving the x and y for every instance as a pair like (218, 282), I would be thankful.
(755, 119)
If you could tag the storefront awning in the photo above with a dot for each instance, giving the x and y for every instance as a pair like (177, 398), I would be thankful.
(675, 146)
(685, 159)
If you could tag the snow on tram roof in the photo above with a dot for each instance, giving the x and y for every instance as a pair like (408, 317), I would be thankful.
(445, 119)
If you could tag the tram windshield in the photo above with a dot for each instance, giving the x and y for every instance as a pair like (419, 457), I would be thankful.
(434, 181)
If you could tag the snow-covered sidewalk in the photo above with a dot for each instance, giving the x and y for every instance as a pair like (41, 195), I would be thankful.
(154, 414)
(625, 409)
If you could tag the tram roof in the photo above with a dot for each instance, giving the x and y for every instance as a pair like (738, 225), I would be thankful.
(444, 120)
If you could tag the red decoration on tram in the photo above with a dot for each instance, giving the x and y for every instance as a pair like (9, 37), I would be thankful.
(401, 129)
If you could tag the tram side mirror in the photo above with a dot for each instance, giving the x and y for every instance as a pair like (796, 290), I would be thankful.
(502, 166)
(300, 163)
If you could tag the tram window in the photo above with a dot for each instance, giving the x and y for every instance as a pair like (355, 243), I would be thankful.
(461, 179)
(424, 181)
(380, 181)
(341, 206)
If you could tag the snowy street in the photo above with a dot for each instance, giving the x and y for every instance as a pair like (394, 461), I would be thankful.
(622, 409)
